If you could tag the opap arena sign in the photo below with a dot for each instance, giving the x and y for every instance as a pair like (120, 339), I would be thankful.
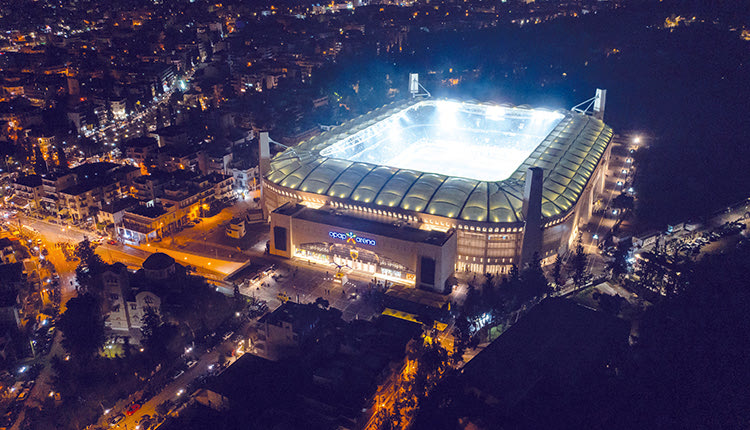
(351, 238)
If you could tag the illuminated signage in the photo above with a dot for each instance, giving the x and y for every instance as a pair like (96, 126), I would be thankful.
(351, 238)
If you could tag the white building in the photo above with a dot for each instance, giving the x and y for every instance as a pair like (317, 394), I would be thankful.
(124, 308)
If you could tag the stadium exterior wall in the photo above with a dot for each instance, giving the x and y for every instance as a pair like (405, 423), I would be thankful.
(482, 247)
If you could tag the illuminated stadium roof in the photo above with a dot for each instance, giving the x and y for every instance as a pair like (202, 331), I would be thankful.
(457, 160)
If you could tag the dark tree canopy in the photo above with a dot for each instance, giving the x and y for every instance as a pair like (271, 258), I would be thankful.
(89, 267)
(580, 263)
(82, 326)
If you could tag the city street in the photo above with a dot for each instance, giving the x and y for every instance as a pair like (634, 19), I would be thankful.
(208, 237)
(206, 247)
(599, 226)
(170, 391)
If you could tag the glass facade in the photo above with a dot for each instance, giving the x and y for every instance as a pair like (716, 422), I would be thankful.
(354, 258)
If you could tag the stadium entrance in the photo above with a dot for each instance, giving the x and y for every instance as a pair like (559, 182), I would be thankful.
(347, 256)
(395, 253)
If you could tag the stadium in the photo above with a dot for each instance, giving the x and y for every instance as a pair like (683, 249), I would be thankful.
(437, 186)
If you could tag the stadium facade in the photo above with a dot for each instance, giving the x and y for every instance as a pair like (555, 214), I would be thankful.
(418, 189)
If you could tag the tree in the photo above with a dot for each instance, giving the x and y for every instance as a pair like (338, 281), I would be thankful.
(707, 322)
(619, 264)
(322, 303)
(472, 302)
(150, 323)
(89, 267)
(432, 360)
(158, 337)
(85, 251)
(82, 326)
(580, 263)
(40, 164)
(164, 407)
(533, 283)
(463, 327)
(513, 274)
(62, 159)
(557, 271)
(623, 201)
(238, 300)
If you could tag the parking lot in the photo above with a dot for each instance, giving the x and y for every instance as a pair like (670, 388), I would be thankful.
(278, 281)
(692, 244)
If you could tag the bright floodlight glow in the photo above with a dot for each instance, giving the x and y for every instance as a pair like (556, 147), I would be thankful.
(485, 143)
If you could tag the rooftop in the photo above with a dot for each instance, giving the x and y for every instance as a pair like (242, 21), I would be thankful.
(346, 222)
(140, 142)
(93, 170)
(158, 261)
(556, 339)
(300, 316)
(118, 205)
(12, 272)
(172, 130)
(30, 181)
(82, 187)
(214, 178)
(148, 211)
(361, 161)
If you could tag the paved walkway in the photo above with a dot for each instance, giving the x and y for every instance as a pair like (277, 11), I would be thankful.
(219, 266)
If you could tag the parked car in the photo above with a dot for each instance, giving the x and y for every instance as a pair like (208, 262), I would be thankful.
(145, 423)
(132, 408)
(116, 419)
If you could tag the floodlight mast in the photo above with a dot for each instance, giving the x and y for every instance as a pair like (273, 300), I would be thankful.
(414, 86)
(292, 151)
(264, 165)
(595, 104)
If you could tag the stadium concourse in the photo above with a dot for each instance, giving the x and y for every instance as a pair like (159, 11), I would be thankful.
(437, 186)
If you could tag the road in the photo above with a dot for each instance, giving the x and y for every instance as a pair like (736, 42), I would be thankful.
(301, 281)
(619, 170)
(137, 123)
(171, 390)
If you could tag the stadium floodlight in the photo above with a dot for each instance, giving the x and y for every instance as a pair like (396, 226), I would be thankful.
(495, 113)
(448, 114)
(413, 83)
(414, 86)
